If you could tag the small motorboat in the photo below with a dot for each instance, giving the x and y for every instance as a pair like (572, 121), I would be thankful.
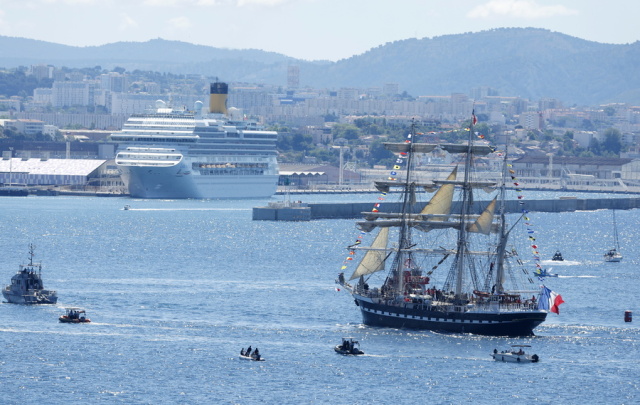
(544, 273)
(127, 207)
(253, 356)
(74, 315)
(557, 256)
(349, 346)
(515, 355)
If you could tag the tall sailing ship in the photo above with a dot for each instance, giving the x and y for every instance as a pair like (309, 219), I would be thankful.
(451, 267)
(179, 153)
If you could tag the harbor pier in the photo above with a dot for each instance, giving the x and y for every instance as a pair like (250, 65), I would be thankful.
(311, 211)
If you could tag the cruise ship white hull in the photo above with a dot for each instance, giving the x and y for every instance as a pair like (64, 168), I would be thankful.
(172, 183)
(176, 153)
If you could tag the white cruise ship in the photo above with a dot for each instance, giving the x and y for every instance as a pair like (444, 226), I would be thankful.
(168, 153)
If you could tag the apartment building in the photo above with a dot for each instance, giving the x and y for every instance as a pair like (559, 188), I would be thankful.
(26, 126)
(78, 93)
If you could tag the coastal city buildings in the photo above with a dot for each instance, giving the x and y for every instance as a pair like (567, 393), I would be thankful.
(102, 104)
(105, 98)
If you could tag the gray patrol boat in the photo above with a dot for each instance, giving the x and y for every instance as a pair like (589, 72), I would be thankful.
(26, 285)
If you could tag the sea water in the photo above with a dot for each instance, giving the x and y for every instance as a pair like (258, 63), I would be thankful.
(175, 289)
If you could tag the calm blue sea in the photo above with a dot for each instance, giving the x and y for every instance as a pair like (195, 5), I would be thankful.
(176, 288)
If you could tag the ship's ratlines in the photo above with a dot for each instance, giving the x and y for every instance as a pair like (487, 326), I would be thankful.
(439, 265)
(179, 153)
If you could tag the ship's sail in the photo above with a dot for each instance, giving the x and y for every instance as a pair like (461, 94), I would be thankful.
(373, 260)
(440, 203)
(484, 223)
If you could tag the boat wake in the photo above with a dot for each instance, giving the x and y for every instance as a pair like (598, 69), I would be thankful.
(578, 276)
(187, 209)
(559, 263)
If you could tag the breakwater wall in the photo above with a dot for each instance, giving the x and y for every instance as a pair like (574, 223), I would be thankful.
(355, 210)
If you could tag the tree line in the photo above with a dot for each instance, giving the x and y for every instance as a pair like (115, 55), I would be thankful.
(365, 136)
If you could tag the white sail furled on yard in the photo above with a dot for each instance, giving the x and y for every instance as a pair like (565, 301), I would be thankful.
(385, 185)
(478, 150)
(487, 186)
(373, 260)
(434, 221)
(484, 223)
(404, 147)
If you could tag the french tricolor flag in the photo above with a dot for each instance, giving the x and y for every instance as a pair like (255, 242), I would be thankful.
(549, 300)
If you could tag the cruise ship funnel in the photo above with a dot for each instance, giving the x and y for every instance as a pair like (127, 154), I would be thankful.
(218, 98)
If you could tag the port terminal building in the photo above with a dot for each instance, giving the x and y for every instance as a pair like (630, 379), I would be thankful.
(50, 172)
(73, 165)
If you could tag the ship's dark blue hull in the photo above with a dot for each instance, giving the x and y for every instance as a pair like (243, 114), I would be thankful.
(516, 323)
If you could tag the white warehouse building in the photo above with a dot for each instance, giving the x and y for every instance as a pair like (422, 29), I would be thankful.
(41, 172)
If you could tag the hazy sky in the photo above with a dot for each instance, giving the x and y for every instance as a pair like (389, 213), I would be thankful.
(308, 29)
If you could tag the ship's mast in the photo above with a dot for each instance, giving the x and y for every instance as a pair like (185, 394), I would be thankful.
(466, 204)
(615, 231)
(504, 234)
(31, 254)
(407, 199)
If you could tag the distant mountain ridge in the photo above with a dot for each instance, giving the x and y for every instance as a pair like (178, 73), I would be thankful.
(525, 62)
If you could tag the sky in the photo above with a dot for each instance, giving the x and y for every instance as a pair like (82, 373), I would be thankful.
(308, 29)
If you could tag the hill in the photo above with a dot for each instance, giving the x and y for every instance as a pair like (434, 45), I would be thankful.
(525, 62)
(531, 63)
